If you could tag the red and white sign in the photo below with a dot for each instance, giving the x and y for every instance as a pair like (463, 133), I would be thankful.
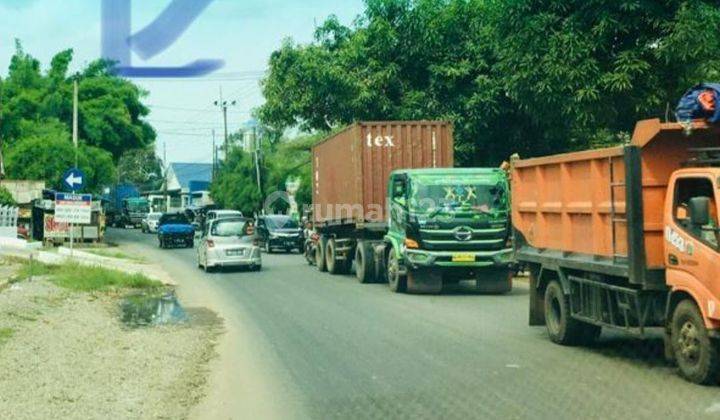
(73, 208)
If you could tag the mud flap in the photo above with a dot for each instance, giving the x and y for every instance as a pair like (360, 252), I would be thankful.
(494, 280)
(424, 281)
(537, 299)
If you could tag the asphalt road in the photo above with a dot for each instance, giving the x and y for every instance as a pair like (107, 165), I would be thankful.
(346, 350)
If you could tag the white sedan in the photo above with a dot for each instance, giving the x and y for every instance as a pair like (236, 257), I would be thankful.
(228, 243)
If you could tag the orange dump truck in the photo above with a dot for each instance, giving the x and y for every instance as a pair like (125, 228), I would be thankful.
(627, 237)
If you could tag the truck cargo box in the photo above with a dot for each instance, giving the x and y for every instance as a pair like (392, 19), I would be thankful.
(602, 210)
(351, 169)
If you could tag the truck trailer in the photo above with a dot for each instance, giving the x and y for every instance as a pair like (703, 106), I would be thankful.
(387, 198)
(627, 237)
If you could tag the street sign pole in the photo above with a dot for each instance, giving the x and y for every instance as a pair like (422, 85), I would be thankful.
(75, 143)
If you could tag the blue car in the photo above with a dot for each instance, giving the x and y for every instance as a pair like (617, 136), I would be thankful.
(175, 230)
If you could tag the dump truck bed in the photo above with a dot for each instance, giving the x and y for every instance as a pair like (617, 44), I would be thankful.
(351, 169)
(602, 210)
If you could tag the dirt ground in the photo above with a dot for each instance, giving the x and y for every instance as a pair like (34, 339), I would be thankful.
(66, 355)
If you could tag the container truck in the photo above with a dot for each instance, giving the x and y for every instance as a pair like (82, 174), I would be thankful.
(386, 198)
(627, 237)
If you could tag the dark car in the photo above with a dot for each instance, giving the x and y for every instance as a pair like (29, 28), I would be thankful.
(278, 232)
(174, 229)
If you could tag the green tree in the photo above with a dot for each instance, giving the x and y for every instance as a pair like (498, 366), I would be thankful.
(6, 199)
(140, 167)
(111, 111)
(36, 120)
(235, 185)
(47, 151)
(527, 76)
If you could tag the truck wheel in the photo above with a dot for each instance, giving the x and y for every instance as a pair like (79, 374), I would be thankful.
(333, 265)
(695, 352)
(309, 253)
(364, 263)
(397, 282)
(561, 327)
(320, 254)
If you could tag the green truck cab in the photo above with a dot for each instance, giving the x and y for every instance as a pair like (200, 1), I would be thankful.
(448, 225)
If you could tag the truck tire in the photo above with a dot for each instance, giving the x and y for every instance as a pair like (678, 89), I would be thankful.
(364, 263)
(695, 352)
(334, 266)
(396, 282)
(320, 254)
(562, 328)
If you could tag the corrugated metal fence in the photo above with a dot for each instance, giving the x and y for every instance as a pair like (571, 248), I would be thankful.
(8, 221)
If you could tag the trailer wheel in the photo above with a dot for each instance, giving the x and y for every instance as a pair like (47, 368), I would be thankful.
(364, 263)
(561, 327)
(334, 266)
(695, 352)
(396, 281)
(320, 254)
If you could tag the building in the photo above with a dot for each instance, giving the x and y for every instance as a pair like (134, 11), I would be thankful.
(185, 181)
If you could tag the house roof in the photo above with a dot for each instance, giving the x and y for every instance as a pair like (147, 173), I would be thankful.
(186, 172)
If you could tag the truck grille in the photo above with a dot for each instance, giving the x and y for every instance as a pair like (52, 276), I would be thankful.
(463, 239)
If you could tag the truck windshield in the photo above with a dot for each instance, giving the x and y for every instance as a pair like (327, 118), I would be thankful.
(435, 195)
(137, 206)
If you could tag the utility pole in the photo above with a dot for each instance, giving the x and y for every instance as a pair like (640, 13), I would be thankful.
(165, 171)
(214, 156)
(223, 104)
(75, 120)
(2, 161)
(75, 144)
(256, 143)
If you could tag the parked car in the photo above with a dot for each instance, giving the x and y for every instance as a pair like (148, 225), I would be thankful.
(174, 229)
(150, 223)
(278, 232)
(228, 242)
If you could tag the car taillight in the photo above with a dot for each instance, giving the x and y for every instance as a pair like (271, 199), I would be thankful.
(210, 243)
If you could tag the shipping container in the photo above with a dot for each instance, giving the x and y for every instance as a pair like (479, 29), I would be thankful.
(351, 168)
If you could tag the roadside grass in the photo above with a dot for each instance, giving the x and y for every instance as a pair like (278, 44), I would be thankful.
(102, 252)
(80, 278)
(5, 335)
(91, 279)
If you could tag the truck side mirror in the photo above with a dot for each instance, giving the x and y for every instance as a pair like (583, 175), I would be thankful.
(699, 211)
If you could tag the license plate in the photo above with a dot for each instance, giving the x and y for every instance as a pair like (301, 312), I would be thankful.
(235, 252)
(463, 257)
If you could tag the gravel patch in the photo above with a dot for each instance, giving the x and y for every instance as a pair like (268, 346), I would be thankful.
(69, 356)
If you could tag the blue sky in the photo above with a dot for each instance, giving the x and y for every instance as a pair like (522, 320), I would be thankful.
(242, 32)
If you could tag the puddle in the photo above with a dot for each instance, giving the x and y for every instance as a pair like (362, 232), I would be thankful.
(144, 310)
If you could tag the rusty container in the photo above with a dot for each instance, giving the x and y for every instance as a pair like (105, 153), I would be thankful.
(351, 169)
(603, 206)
